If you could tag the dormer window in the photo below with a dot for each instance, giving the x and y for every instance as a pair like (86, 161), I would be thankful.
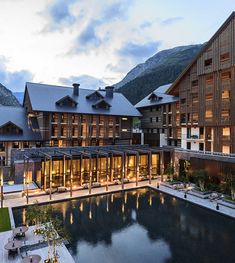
(101, 104)
(154, 97)
(10, 128)
(95, 96)
(66, 101)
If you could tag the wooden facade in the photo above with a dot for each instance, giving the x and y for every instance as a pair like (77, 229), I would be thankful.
(204, 118)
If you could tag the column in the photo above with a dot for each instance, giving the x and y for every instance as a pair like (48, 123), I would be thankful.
(150, 167)
(137, 164)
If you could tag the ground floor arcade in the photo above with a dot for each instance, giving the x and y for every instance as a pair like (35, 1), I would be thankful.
(74, 167)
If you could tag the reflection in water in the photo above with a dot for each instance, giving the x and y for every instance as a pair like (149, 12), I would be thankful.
(143, 226)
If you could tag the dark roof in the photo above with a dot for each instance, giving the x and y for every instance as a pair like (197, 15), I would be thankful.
(157, 93)
(204, 48)
(18, 117)
(43, 97)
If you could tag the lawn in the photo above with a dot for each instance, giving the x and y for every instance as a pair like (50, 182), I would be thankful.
(4, 220)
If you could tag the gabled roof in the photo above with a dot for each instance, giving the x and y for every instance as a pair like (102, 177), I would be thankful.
(101, 104)
(18, 117)
(165, 98)
(154, 96)
(95, 94)
(62, 102)
(10, 123)
(204, 48)
(43, 98)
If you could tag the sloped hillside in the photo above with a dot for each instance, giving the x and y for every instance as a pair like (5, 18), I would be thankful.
(162, 68)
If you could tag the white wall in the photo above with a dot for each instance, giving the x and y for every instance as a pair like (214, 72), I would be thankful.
(163, 140)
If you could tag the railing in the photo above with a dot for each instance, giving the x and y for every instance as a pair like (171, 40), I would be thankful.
(231, 155)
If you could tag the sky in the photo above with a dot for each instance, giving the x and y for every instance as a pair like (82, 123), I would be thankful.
(96, 42)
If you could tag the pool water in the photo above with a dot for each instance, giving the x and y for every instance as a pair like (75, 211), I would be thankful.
(143, 226)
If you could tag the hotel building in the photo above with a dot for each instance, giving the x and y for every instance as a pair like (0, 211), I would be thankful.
(195, 113)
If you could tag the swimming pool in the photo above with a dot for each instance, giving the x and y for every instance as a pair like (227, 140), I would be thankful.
(143, 225)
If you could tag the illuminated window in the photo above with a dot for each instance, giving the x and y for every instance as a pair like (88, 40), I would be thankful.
(226, 131)
(225, 94)
(124, 119)
(209, 80)
(124, 130)
(225, 149)
(209, 97)
(209, 114)
(225, 114)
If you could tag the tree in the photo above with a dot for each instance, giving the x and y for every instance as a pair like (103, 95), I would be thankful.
(169, 171)
(201, 178)
(48, 226)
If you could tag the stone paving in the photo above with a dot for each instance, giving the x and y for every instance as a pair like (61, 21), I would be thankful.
(101, 190)
(65, 256)
(31, 239)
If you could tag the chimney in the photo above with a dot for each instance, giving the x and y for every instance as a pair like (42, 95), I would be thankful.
(76, 89)
(109, 91)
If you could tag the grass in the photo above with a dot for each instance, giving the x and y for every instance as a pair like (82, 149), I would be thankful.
(5, 223)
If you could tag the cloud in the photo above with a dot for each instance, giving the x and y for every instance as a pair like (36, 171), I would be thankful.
(59, 12)
(145, 24)
(137, 51)
(171, 20)
(89, 37)
(86, 81)
(15, 81)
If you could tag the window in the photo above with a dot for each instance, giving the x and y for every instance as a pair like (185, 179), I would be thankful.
(201, 147)
(209, 80)
(225, 94)
(124, 119)
(169, 107)
(183, 101)
(195, 117)
(151, 120)
(226, 131)
(224, 57)
(188, 145)
(208, 114)
(195, 83)
(194, 98)
(225, 149)
(183, 118)
(157, 119)
(226, 75)
(208, 62)
(188, 133)
(209, 97)
(225, 115)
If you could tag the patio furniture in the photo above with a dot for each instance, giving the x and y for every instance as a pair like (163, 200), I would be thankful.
(31, 259)
(12, 246)
(61, 189)
(20, 231)
(96, 184)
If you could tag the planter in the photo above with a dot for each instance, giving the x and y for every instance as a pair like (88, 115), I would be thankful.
(11, 182)
(227, 203)
(200, 194)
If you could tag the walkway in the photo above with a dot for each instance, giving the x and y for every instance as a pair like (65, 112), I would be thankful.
(31, 239)
(206, 203)
(114, 188)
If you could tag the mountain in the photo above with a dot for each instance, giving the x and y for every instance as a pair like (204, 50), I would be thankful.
(19, 96)
(7, 98)
(162, 68)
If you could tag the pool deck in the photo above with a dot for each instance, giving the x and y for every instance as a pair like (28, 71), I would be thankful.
(17, 202)
(31, 239)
